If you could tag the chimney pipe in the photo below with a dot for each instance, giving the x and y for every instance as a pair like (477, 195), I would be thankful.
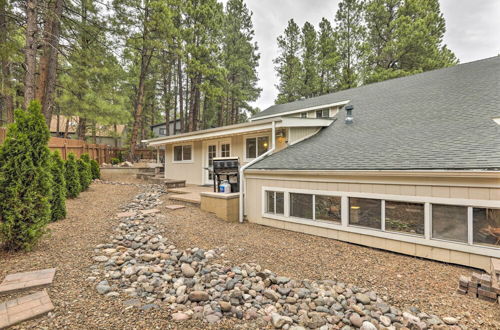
(348, 118)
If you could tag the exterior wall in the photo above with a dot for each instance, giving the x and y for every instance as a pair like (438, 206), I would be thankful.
(190, 171)
(296, 134)
(156, 129)
(461, 189)
(193, 172)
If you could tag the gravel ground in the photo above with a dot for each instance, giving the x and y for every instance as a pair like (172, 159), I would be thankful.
(69, 248)
(405, 281)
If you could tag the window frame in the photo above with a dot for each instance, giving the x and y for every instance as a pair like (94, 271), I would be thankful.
(256, 137)
(322, 111)
(426, 239)
(183, 161)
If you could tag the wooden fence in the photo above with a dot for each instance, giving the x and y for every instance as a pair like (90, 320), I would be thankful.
(100, 152)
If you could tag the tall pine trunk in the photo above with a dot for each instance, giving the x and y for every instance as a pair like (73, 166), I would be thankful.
(139, 101)
(48, 61)
(181, 95)
(6, 92)
(30, 51)
(81, 131)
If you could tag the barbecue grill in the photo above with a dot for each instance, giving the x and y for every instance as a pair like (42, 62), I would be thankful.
(226, 168)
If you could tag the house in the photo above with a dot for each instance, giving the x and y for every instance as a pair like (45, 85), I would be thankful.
(67, 126)
(160, 129)
(410, 165)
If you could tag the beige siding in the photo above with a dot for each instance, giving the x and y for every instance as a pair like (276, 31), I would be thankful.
(298, 133)
(480, 188)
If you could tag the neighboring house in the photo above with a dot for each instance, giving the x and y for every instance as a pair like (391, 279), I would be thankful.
(61, 126)
(160, 129)
(417, 171)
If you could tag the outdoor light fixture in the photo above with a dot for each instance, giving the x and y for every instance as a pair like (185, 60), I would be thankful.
(354, 207)
(348, 118)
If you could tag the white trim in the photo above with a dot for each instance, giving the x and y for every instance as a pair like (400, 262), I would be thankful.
(256, 137)
(183, 161)
(426, 239)
(341, 103)
(470, 226)
(244, 167)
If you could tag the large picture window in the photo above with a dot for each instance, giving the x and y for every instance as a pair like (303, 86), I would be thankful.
(404, 217)
(301, 206)
(256, 146)
(365, 212)
(449, 222)
(183, 153)
(327, 208)
(486, 224)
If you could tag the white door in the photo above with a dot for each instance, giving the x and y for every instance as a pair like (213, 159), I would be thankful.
(212, 150)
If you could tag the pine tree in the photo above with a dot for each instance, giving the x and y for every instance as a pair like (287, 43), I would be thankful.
(72, 176)
(288, 64)
(96, 172)
(310, 65)
(350, 34)
(85, 173)
(58, 198)
(404, 38)
(328, 58)
(240, 61)
(25, 180)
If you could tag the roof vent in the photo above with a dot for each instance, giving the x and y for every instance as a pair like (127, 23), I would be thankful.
(348, 118)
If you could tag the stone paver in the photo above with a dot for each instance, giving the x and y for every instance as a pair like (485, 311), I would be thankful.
(24, 308)
(125, 214)
(175, 207)
(27, 280)
(150, 211)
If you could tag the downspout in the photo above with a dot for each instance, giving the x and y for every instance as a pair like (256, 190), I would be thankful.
(244, 167)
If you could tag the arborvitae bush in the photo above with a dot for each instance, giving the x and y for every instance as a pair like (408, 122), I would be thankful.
(25, 182)
(73, 187)
(85, 173)
(96, 172)
(58, 200)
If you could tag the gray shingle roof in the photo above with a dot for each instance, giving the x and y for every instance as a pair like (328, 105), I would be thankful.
(439, 119)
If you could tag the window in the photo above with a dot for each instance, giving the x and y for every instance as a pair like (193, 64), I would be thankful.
(486, 224)
(301, 206)
(275, 202)
(404, 217)
(303, 115)
(477, 224)
(365, 212)
(449, 222)
(225, 150)
(325, 113)
(163, 131)
(256, 146)
(182, 153)
(327, 208)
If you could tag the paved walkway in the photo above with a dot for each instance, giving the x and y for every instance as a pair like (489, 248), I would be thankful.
(24, 308)
(28, 280)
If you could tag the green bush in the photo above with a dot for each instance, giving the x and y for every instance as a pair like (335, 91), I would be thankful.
(85, 173)
(72, 176)
(58, 198)
(25, 180)
(115, 161)
(96, 172)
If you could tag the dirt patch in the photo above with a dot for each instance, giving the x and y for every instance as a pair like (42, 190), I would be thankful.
(406, 281)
